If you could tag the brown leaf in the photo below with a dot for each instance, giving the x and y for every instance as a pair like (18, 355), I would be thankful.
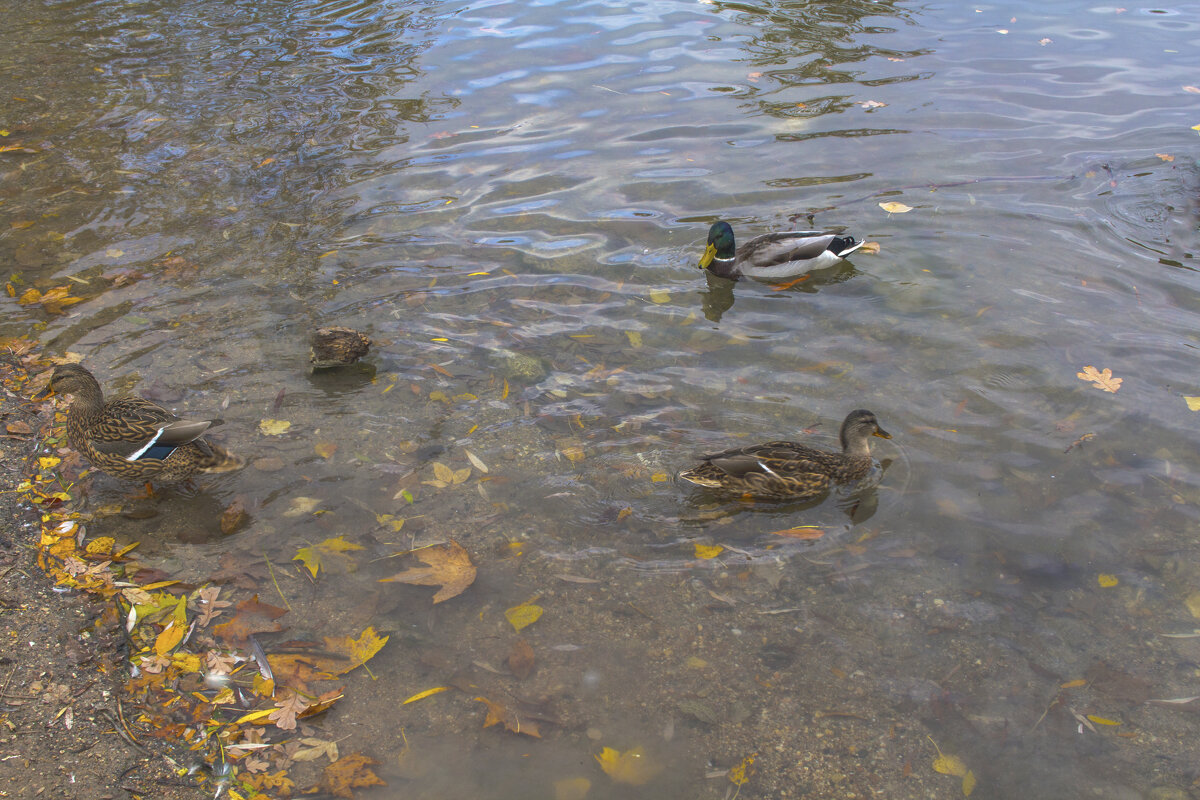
(284, 716)
(349, 772)
(449, 567)
(520, 659)
(19, 427)
(252, 617)
(1101, 379)
(503, 715)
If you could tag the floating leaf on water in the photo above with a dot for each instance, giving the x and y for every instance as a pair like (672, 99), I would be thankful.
(895, 208)
(449, 566)
(1101, 379)
(274, 427)
(1193, 403)
(524, 615)
(631, 767)
(1107, 581)
(869, 247)
(707, 551)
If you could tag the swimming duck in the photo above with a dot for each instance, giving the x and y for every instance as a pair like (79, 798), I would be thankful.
(133, 438)
(788, 470)
(773, 255)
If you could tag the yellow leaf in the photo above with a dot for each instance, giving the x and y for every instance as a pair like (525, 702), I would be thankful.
(708, 550)
(949, 765)
(1101, 379)
(360, 650)
(476, 461)
(169, 638)
(325, 449)
(1075, 684)
(631, 767)
(443, 473)
(101, 546)
(394, 522)
(449, 566)
(461, 475)
(741, 774)
(1107, 581)
(1193, 604)
(573, 452)
(253, 716)
(1102, 720)
(319, 555)
(895, 208)
(635, 338)
(274, 427)
(968, 784)
(659, 477)
(1193, 403)
(48, 462)
(424, 694)
(659, 296)
(572, 789)
(299, 506)
(696, 662)
(524, 615)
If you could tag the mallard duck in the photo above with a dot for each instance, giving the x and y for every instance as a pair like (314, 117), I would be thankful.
(788, 470)
(773, 255)
(131, 437)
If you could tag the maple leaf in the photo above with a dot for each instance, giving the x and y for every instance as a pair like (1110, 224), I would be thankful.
(449, 567)
(359, 650)
(284, 716)
(210, 606)
(349, 772)
(498, 714)
(1101, 379)
(327, 552)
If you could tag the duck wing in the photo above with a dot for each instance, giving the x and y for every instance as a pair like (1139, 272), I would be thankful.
(129, 426)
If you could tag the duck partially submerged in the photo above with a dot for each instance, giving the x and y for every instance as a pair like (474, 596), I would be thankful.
(773, 256)
(133, 438)
(789, 470)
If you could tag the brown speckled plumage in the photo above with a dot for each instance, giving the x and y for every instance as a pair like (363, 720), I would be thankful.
(788, 470)
(111, 434)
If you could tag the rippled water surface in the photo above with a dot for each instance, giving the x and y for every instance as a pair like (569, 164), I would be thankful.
(510, 199)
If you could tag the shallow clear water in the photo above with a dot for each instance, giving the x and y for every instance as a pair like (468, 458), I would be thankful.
(510, 199)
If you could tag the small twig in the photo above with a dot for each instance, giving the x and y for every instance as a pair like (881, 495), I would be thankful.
(276, 582)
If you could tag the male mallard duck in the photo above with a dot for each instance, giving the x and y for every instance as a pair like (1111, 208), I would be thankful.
(132, 438)
(787, 470)
(773, 255)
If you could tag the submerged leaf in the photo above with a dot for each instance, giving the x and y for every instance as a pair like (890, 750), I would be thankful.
(273, 427)
(524, 615)
(631, 767)
(498, 714)
(707, 551)
(319, 555)
(349, 772)
(743, 771)
(449, 567)
(572, 789)
(359, 650)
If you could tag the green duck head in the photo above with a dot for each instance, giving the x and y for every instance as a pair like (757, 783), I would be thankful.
(720, 244)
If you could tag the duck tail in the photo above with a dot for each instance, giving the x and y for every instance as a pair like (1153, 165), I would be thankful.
(218, 459)
(843, 246)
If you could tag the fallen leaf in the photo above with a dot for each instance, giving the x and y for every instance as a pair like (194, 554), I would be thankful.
(631, 767)
(1102, 720)
(1165, 156)
(1193, 403)
(360, 650)
(1193, 604)
(498, 714)
(233, 517)
(949, 765)
(968, 784)
(299, 506)
(274, 427)
(869, 247)
(660, 296)
(801, 532)
(895, 208)
(524, 615)
(331, 550)
(521, 659)
(743, 771)
(1107, 581)
(707, 551)
(449, 567)
(349, 772)
(284, 715)
(476, 461)
(1101, 379)
(424, 694)
(313, 748)
(325, 449)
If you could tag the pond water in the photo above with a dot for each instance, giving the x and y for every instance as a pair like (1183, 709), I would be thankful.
(510, 199)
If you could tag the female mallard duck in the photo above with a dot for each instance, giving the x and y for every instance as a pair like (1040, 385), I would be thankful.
(132, 438)
(787, 470)
(773, 255)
